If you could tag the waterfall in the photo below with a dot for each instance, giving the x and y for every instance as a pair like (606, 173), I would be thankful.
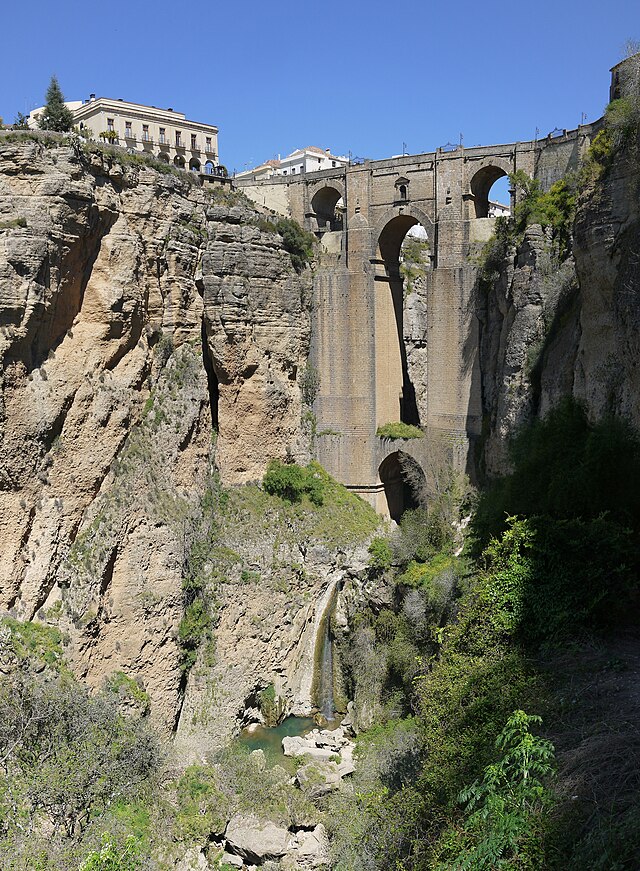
(322, 692)
(325, 670)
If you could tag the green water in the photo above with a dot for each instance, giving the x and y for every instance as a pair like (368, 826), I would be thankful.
(270, 740)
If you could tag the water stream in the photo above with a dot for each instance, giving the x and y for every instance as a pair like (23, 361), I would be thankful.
(323, 680)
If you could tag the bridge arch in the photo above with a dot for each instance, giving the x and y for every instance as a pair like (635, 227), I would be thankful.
(486, 174)
(403, 481)
(395, 393)
(327, 204)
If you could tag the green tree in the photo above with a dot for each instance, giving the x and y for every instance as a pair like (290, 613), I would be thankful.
(56, 116)
(21, 122)
(503, 806)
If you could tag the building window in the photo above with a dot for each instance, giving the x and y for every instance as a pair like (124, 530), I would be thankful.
(208, 143)
(163, 138)
(333, 163)
(145, 132)
(193, 140)
(293, 169)
(127, 129)
(178, 138)
(110, 124)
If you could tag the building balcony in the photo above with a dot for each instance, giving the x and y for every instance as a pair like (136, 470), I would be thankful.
(164, 143)
(181, 145)
(146, 140)
(196, 148)
(210, 149)
(130, 137)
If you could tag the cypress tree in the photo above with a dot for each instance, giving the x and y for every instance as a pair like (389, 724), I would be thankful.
(55, 116)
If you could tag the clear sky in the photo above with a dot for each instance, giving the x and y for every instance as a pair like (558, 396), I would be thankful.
(362, 77)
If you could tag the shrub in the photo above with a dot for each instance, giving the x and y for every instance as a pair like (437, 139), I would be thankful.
(192, 630)
(380, 553)
(399, 430)
(503, 807)
(292, 482)
(297, 242)
(70, 755)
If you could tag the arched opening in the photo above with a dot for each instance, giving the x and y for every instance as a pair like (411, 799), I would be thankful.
(179, 161)
(403, 481)
(163, 156)
(194, 165)
(208, 167)
(327, 205)
(490, 189)
(395, 393)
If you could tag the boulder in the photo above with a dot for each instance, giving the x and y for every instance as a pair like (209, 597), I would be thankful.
(256, 840)
(308, 850)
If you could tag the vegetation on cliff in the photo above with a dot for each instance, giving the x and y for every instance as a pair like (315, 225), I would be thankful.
(469, 643)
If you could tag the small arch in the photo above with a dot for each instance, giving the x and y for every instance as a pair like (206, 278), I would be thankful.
(327, 205)
(403, 480)
(481, 185)
(163, 156)
(208, 167)
(179, 161)
(194, 165)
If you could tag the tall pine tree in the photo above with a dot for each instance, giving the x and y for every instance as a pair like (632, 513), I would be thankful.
(55, 116)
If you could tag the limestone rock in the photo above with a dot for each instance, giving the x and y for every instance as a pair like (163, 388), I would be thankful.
(107, 391)
(256, 840)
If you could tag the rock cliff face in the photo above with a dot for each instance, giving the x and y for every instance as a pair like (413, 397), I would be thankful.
(551, 329)
(134, 307)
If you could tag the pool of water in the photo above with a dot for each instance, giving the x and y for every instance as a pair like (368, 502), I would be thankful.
(269, 740)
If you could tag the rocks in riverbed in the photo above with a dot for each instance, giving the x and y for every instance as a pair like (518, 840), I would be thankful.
(250, 841)
(256, 840)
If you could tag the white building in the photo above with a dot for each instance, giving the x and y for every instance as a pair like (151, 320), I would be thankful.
(163, 133)
(302, 160)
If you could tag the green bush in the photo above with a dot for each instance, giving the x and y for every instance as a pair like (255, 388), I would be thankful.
(192, 630)
(399, 430)
(503, 808)
(297, 242)
(292, 482)
(380, 553)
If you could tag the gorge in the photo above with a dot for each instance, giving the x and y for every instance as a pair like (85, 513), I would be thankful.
(177, 364)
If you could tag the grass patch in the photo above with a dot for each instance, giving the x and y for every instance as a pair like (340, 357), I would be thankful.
(399, 430)
(13, 224)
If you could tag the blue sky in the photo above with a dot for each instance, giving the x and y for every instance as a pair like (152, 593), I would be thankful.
(361, 78)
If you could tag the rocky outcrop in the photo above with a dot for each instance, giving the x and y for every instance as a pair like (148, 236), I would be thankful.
(111, 274)
(552, 328)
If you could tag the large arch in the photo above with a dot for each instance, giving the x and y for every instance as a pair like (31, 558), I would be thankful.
(178, 161)
(194, 164)
(403, 480)
(323, 206)
(480, 185)
(395, 393)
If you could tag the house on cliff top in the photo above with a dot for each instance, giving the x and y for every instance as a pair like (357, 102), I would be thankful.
(162, 133)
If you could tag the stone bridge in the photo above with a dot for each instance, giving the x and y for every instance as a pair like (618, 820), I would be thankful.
(364, 338)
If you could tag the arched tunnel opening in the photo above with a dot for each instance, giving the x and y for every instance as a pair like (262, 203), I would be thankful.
(326, 205)
(396, 392)
(404, 483)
